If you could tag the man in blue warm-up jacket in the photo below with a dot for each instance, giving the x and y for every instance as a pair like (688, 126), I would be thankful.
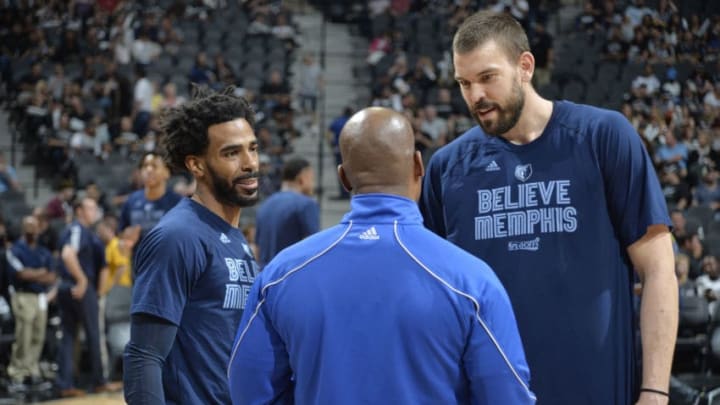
(378, 310)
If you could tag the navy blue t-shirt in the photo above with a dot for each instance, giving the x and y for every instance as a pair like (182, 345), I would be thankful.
(286, 217)
(195, 270)
(554, 218)
(138, 210)
(90, 252)
(22, 256)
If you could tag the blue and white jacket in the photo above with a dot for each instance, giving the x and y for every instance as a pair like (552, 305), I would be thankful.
(378, 310)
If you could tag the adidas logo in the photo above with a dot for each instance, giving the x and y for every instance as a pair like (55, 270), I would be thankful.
(492, 167)
(370, 234)
(224, 238)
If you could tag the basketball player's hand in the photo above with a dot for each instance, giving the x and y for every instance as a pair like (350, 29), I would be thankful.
(649, 398)
(78, 291)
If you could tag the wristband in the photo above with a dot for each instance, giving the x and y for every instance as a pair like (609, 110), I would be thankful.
(654, 391)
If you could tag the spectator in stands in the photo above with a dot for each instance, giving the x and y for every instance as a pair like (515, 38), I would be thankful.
(31, 271)
(93, 190)
(648, 79)
(335, 129)
(170, 97)
(144, 49)
(289, 215)
(143, 94)
(8, 176)
(671, 85)
(82, 142)
(144, 208)
(47, 233)
(677, 217)
(709, 282)
(169, 36)
(60, 206)
(30, 79)
(587, 20)
(127, 141)
(541, 43)
(201, 73)
(379, 47)
(615, 49)
(423, 77)
(637, 10)
(283, 30)
(712, 97)
(673, 155)
(676, 190)
(692, 246)
(83, 266)
(682, 271)
(273, 89)
(309, 82)
(433, 131)
(70, 48)
(707, 192)
(57, 82)
(259, 26)
(223, 72)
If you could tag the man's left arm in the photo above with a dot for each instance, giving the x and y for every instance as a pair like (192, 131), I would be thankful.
(653, 259)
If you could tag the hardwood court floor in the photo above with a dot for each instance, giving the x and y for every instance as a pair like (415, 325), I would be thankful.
(95, 399)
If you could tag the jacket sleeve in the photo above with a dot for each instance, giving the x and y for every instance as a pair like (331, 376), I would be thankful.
(259, 369)
(494, 358)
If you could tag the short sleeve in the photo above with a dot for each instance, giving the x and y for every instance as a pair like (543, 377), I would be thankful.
(431, 205)
(634, 197)
(124, 218)
(310, 218)
(167, 264)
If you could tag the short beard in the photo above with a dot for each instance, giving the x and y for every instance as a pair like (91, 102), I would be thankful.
(225, 193)
(508, 115)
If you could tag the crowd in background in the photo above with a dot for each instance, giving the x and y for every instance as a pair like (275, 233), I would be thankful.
(86, 82)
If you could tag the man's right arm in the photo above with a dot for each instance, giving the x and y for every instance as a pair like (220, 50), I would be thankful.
(151, 339)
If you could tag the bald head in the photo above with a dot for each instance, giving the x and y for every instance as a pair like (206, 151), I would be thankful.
(378, 153)
(30, 227)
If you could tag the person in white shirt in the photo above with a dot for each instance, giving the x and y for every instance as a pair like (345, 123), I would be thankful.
(648, 78)
(708, 284)
(143, 95)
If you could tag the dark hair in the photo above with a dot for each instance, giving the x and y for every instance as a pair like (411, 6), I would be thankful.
(144, 156)
(487, 25)
(185, 127)
(293, 168)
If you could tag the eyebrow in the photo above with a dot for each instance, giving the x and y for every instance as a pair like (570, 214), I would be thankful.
(234, 146)
(481, 73)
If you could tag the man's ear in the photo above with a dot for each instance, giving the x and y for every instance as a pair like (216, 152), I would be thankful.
(526, 63)
(343, 178)
(419, 168)
(194, 166)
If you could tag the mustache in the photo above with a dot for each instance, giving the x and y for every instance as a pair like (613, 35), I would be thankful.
(484, 105)
(253, 175)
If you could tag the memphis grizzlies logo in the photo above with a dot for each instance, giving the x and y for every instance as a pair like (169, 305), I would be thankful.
(523, 172)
